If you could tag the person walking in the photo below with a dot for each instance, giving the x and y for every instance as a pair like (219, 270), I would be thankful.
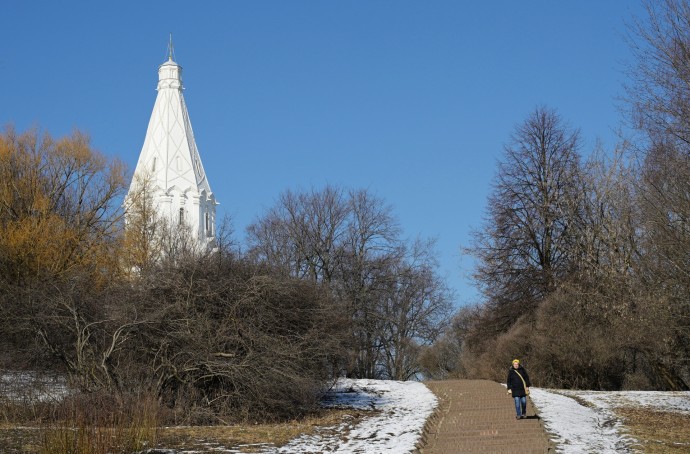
(518, 387)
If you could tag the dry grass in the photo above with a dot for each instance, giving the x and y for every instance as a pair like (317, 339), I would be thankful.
(657, 431)
(120, 429)
(245, 438)
(251, 437)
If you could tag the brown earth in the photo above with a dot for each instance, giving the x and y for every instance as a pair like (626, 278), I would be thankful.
(477, 416)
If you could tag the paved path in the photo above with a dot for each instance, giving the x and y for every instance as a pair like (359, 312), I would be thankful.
(476, 416)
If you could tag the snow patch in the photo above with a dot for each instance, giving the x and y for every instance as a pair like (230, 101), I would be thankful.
(402, 409)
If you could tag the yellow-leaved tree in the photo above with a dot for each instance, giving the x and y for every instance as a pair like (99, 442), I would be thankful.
(59, 205)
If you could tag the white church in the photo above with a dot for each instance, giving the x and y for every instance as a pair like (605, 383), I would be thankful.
(170, 164)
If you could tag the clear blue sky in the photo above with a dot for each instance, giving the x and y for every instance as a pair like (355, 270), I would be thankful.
(412, 100)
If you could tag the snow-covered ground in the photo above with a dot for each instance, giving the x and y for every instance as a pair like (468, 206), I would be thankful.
(594, 427)
(30, 388)
(402, 409)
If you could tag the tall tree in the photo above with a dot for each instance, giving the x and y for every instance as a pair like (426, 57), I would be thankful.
(525, 244)
(372, 249)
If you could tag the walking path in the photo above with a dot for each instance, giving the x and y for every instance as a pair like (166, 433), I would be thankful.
(476, 416)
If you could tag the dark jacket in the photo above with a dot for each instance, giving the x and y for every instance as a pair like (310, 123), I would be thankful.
(514, 383)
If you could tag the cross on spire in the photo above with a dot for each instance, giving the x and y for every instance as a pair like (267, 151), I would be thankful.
(171, 49)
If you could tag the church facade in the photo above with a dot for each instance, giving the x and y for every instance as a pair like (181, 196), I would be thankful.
(169, 168)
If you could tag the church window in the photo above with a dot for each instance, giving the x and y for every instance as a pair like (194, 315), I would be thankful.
(153, 165)
(181, 216)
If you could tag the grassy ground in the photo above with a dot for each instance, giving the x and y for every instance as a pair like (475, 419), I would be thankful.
(656, 431)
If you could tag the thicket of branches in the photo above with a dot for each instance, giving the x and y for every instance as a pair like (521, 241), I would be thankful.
(233, 338)
(214, 337)
(583, 263)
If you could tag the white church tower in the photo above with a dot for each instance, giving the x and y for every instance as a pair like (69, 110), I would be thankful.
(170, 164)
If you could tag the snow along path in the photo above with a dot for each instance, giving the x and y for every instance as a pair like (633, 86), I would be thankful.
(578, 428)
(403, 408)
(594, 427)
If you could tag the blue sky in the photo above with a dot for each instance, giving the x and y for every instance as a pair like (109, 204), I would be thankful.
(412, 100)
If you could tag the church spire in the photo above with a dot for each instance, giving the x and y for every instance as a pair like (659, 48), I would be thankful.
(170, 160)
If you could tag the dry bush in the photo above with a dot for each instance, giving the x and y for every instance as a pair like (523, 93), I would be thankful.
(68, 325)
(577, 340)
(233, 342)
(440, 360)
(586, 335)
(214, 340)
(576, 345)
(516, 343)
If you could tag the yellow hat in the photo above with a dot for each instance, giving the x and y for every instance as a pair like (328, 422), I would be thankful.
(516, 361)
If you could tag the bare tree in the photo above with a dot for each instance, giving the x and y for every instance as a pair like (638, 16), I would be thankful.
(663, 267)
(143, 233)
(415, 311)
(372, 250)
(350, 242)
(303, 233)
(525, 244)
(608, 223)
